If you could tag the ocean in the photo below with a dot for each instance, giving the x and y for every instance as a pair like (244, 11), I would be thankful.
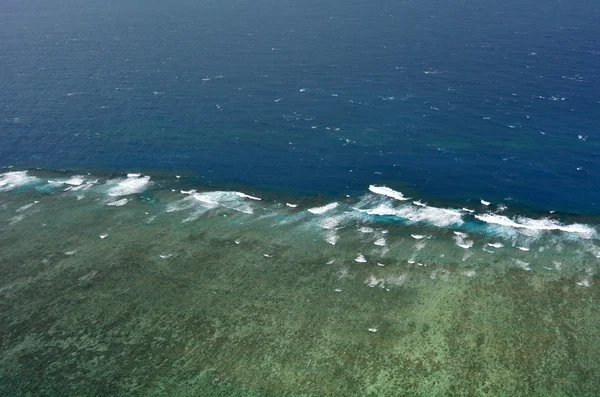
(313, 198)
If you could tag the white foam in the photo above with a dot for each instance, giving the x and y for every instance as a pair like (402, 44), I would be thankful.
(360, 259)
(332, 237)
(15, 179)
(468, 210)
(386, 191)
(25, 207)
(133, 184)
(419, 203)
(545, 224)
(231, 200)
(243, 195)
(522, 264)
(103, 235)
(441, 217)
(119, 203)
(323, 209)
(417, 236)
(380, 242)
(16, 219)
(331, 222)
(373, 281)
(437, 216)
(523, 248)
(166, 256)
(364, 229)
(291, 205)
(496, 245)
(584, 283)
(486, 203)
(461, 240)
(192, 191)
(75, 180)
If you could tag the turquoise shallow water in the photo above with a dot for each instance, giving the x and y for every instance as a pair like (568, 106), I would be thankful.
(137, 286)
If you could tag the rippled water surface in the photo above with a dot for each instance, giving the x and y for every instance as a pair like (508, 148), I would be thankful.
(299, 198)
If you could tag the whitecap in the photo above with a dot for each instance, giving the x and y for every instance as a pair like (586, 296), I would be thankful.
(192, 191)
(103, 235)
(332, 222)
(119, 203)
(496, 245)
(386, 191)
(522, 264)
(231, 200)
(360, 259)
(323, 209)
(486, 203)
(291, 205)
(538, 224)
(75, 180)
(364, 229)
(419, 203)
(15, 179)
(380, 242)
(332, 237)
(461, 241)
(243, 195)
(417, 236)
(523, 248)
(133, 184)
(441, 217)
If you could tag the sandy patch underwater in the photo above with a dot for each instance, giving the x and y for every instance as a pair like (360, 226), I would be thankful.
(219, 293)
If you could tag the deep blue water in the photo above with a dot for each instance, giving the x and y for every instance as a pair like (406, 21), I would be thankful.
(464, 99)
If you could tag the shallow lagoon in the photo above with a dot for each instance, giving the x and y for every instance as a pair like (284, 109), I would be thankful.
(120, 286)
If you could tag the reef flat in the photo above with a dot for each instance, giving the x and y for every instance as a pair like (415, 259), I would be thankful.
(125, 287)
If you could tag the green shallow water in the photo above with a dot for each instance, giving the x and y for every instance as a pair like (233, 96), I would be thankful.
(162, 307)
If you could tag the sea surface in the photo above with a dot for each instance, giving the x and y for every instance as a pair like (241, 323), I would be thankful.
(315, 198)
